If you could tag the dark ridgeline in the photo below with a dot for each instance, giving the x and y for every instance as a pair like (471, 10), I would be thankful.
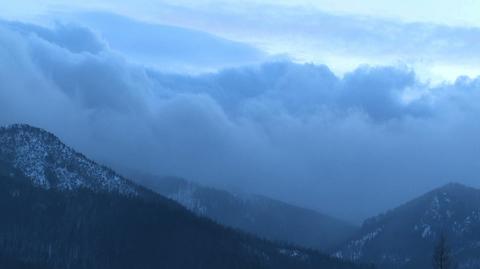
(60, 210)
(409, 236)
(256, 214)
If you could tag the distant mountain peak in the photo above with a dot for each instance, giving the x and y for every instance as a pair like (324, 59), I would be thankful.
(451, 185)
(50, 164)
(404, 237)
(24, 130)
(454, 187)
(256, 214)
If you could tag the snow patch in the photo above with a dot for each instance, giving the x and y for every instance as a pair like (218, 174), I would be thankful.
(48, 163)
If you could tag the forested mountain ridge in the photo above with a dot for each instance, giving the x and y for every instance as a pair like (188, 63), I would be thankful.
(50, 164)
(405, 237)
(260, 215)
(83, 221)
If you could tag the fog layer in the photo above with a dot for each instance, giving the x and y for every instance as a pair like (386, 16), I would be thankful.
(350, 146)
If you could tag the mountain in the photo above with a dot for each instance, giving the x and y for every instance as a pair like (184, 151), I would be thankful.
(59, 209)
(405, 237)
(259, 215)
(50, 164)
(10, 263)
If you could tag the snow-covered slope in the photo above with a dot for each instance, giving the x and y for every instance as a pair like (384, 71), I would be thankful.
(405, 237)
(50, 164)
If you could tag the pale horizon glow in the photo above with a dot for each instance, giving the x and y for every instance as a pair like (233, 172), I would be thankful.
(223, 18)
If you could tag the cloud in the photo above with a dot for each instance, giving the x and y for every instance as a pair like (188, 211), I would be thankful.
(440, 45)
(344, 42)
(72, 37)
(351, 146)
(166, 47)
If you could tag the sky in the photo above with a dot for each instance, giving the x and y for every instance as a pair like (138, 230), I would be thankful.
(346, 107)
(342, 34)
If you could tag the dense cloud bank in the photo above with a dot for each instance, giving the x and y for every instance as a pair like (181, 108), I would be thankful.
(350, 146)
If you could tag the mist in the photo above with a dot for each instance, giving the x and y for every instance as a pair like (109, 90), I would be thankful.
(351, 146)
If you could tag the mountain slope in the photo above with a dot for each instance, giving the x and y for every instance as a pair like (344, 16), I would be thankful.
(49, 163)
(61, 210)
(265, 217)
(405, 237)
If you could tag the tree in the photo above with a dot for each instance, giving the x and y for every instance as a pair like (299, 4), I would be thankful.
(441, 254)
